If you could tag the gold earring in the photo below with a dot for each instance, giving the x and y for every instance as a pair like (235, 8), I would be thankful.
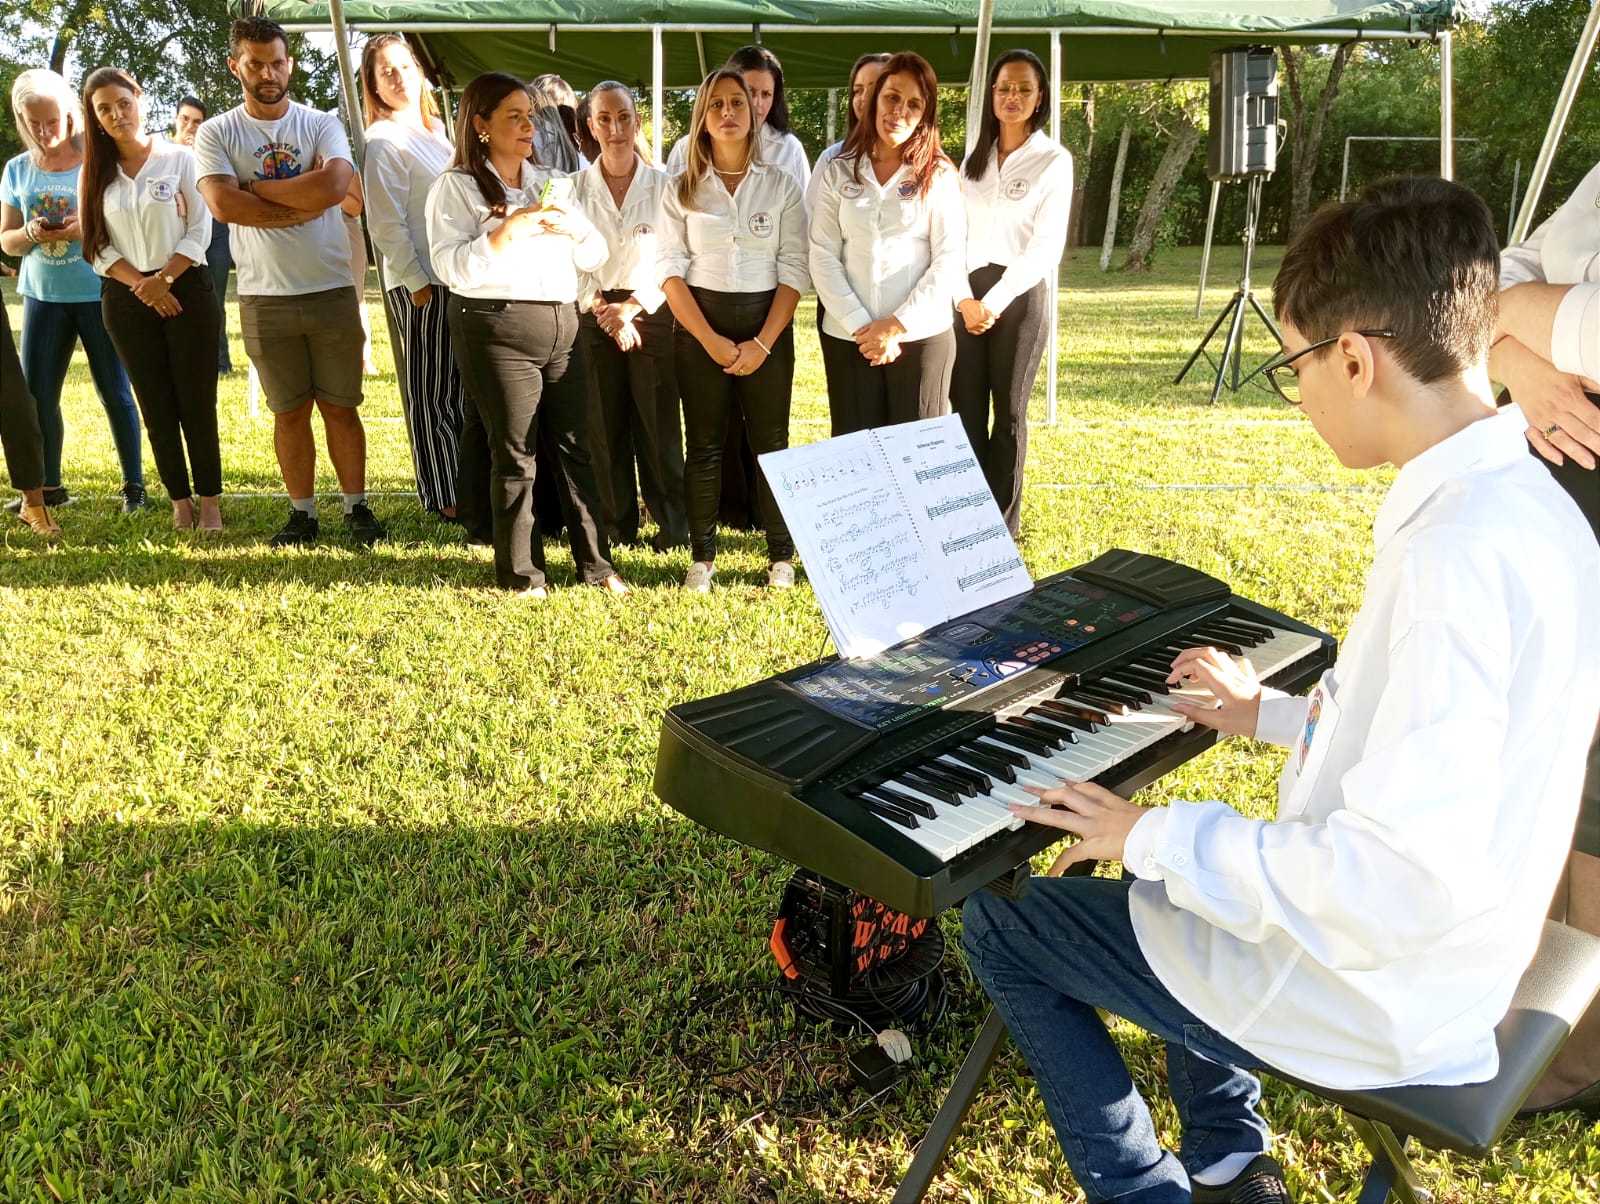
(483, 137)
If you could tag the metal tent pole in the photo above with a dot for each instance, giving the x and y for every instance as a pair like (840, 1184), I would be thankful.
(1558, 123)
(657, 95)
(1447, 114)
(1052, 351)
(358, 144)
(980, 72)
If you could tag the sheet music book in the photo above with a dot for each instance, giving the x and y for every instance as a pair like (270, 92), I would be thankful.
(897, 528)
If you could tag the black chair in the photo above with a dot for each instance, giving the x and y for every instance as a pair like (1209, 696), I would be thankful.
(1555, 991)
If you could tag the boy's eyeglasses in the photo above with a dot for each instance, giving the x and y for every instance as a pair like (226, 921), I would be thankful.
(1286, 383)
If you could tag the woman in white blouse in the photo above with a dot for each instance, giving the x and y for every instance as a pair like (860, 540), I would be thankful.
(863, 82)
(1017, 185)
(732, 256)
(776, 144)
(1547, 353)
(511, 261)
(407, 148)
(145, 229)
(888, 239)
(627, 330)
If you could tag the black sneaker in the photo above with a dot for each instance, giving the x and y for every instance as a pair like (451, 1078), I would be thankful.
(363, 526)
(133, 499)
(55, 498)
(299, 532)
(1261, 1182)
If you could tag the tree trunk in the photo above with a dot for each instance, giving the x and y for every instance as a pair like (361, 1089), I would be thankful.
(1110, 240)
(1080, 177)
(1305, 140)
(1180, 147)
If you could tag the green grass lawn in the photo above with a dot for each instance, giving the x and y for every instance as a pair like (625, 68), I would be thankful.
(336, 875)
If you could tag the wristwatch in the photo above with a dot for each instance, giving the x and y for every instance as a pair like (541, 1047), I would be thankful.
(168, 280)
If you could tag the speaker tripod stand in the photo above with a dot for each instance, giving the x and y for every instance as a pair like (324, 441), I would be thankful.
(1234, 312)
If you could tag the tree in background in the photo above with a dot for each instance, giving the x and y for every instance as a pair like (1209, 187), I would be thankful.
(1305, 136)
(1182, 110)
(172, 47)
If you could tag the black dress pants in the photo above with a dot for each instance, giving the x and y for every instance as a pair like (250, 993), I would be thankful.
(710, 395)
(172, 366)
(522, 369)
(19, 417)
(1002, 364)
(637, 419)
(916, 385)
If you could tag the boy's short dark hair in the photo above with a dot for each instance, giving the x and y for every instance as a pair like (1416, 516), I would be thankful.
(254, 29)
(1417, 256)
(195, 103)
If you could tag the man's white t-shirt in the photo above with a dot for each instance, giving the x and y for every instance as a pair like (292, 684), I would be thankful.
(287, 261)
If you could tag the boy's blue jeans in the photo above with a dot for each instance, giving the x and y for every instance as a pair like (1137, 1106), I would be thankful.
(1048, 961)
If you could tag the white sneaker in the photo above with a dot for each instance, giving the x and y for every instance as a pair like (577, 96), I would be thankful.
(698, 579)
(780, 575)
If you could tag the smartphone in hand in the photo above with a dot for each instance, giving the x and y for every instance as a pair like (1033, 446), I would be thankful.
(556, 191)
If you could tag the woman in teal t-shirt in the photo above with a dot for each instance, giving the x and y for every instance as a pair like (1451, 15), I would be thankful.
(60, 292)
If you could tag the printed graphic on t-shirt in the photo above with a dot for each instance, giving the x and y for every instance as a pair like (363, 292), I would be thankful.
(278, 161)
(54, 208)
(1313, 714)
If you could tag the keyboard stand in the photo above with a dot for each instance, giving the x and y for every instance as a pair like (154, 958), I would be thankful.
(936, 1142)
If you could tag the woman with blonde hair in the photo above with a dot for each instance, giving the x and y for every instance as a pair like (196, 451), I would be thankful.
(407, 149)
(627, 329)
(732, 256)
(145, 230)
(60, 292)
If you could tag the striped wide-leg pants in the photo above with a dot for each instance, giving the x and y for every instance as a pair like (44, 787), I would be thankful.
(434, 397)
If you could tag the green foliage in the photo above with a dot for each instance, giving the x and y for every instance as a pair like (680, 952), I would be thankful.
(172, 47)
(337, 876)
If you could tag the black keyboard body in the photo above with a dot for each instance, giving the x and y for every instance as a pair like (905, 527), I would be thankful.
(779, 765)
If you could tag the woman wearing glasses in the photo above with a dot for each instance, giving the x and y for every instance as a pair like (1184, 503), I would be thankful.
(1547, 353)
(1017, 185)
(887, 240)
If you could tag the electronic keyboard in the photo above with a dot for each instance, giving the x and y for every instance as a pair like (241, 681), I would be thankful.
(890, 774)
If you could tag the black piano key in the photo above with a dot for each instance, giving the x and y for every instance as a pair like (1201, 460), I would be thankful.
(947, 778)
(1095, 716)
(1231, 647)
(900, 798)
(996, 762)
(1065, 717)
(1024, 742)
(1227, 631)
(1145, 679)
(1120, 685)
(1109, 700)
(1058, 737)
(976, 782)
(889, 811)
(1256, 631)
(920, 781)
(1062, 731)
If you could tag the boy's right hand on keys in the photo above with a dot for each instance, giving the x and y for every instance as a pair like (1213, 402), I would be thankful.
(1235, 703)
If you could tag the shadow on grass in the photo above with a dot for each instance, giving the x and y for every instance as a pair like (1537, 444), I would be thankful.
(233, 1010)
(95, 553)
